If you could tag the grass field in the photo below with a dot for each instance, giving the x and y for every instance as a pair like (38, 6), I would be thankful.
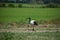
(20, 14)
(30, 36)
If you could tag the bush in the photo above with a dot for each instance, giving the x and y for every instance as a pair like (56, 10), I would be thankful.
(2, 5)
(20, 5)
(11, 5)
(51, 5)
(43, 7)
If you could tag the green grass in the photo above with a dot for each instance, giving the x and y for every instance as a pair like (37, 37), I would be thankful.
(30, 36)
(20, 14)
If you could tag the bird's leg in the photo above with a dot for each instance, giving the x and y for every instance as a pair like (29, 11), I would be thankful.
(33, 28)
(28, 25)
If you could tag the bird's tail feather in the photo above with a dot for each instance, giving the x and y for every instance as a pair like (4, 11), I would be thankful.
(35, 23)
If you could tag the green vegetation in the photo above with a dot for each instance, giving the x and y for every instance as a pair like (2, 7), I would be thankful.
(20, 14)
(19, 5)
(2, 5)
(11, 5)
(30, 36)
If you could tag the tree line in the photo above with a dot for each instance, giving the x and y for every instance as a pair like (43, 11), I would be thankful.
(31, 1)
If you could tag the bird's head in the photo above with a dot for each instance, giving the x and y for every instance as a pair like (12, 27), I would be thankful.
(29, 19)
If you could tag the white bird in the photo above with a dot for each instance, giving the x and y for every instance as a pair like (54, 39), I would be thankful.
(32, 22)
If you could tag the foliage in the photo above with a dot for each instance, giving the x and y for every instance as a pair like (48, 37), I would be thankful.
(11, 5)
(52, 5)
(2, 5)
(20, 5)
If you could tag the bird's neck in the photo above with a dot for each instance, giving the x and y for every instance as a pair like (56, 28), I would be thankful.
(29, 20)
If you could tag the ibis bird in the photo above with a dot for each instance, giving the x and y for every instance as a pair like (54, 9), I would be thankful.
(33, 23)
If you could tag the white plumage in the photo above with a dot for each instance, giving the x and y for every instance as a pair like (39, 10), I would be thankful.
(32, 22)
